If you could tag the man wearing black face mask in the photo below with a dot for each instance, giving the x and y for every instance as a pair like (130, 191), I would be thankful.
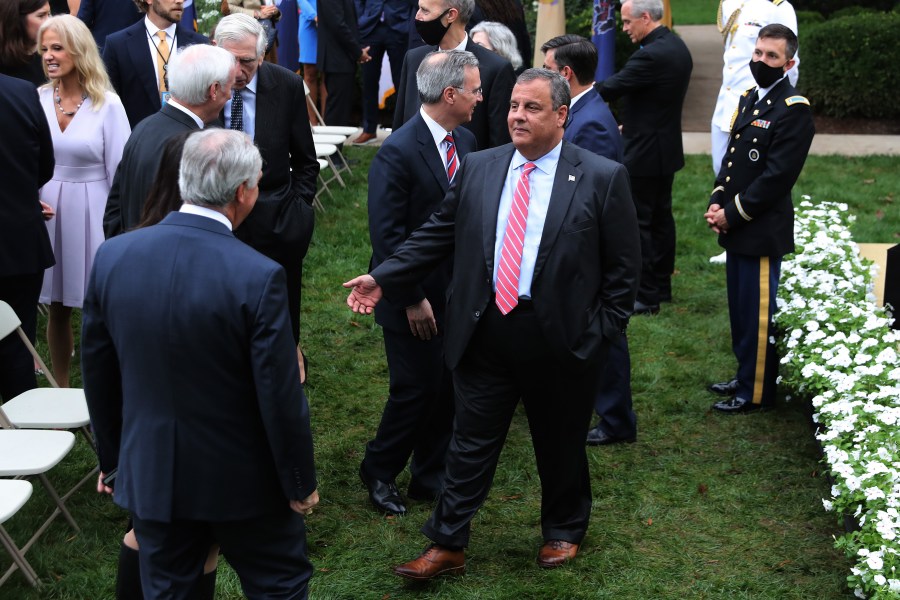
(751, 211)
(442, 23)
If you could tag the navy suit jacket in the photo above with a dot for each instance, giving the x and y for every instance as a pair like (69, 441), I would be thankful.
(489, 119)
(26, 163)
(396, 16)
(281, 223)
(137, 169)
(104, 17)
(653, 83)
(587, 267)
(191, 375)
(593, 127)
(407, 182)
(338, 49)
(132, 70)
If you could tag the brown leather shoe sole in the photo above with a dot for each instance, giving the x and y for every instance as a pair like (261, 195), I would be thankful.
(449, 572)
(556, 553)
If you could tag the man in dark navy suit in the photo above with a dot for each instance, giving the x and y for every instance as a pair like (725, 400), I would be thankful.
(407, 181)
(26, 163)
(193, 387)
(339, 51)
(104, 17)
(442, 24)
(137, 57)
(201, 78)
(592, 126)
(652, 84)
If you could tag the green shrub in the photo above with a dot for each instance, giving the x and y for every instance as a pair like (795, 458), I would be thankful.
(849, 66)
(828, 7)
(808, 17)
(852, 11)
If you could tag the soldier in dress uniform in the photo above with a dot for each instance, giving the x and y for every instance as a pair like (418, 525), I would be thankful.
(739, 23)
(751, 210)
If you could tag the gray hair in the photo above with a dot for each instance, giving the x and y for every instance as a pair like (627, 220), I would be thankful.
(502, 39)
(465, 8)
(440, 70)
(654, 8)
(193, 70)
(559, 87)
(214, 164)
(237, 27)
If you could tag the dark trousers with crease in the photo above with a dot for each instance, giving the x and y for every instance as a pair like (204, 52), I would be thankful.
(653, 203)
(418, 415)
(16, 363)
(383, 40)
(508, 359)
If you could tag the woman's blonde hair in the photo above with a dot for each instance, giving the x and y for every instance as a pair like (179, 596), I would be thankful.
(77, 40)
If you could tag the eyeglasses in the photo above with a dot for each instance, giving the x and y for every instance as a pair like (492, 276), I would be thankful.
(476, 92)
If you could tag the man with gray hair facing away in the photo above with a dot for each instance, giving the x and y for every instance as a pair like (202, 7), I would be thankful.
(193, 387)
(418, 415)
(200, 80)
(264, 105)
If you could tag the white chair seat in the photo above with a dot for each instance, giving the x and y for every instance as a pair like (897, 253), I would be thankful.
(325, 149)
(32, 451)
(48, 408)
(323, 138)
(335, 130)
(14, 493)
(323, 164)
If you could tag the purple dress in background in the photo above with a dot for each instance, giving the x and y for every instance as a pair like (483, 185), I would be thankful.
(87, 154)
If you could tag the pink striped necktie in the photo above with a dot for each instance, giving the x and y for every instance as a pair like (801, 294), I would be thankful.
(452, 160)
(507, 296)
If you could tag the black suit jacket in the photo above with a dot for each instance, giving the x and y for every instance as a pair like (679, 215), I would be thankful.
(768, 147)
(338, 48)
(26, 163)
(489, 119)
(137, 169)
(407, 182)
(653, 83)
(585, 276)
(104, 17)
(132, 70)
(191, 376)
(281, 223)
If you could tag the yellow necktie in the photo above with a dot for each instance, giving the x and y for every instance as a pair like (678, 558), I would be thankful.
(162, 59)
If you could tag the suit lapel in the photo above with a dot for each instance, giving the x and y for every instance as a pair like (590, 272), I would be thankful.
(144, 69)
(565, 182)
(758, 110)
(493, 187)
(430, 155)
(266, 107)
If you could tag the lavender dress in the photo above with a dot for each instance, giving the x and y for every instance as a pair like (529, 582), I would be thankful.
(87, 154)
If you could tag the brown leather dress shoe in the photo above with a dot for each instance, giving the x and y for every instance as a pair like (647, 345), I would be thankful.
(364, 138)
(556, 552)
(434, 562)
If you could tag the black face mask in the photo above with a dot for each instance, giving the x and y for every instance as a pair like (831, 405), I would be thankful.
(433, 31)
(764, 74)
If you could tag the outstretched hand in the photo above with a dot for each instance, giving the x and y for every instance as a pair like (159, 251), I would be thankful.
(364, 295)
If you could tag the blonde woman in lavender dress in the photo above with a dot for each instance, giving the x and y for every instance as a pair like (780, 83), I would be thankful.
(89, 129)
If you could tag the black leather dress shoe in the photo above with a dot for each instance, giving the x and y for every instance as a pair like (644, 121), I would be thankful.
(598, 437)
(733, 406)
(645, 309)
(724, 388)
(384, 495)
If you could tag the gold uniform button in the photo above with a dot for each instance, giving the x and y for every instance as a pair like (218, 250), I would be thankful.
(729, 163)
(737, 137)
(727, 179)
(732, 149)
(754, 140)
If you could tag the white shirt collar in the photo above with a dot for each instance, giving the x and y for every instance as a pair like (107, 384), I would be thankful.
(762, 92)
(174, 104)
(546, 163)
(152, 29)
(579, 97)
(462, 45)
(193, 209)
(437, 132)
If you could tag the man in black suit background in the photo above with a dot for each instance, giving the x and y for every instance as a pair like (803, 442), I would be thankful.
(338, 52)
(137, 58)
(104, 17)
(652, 84)
(750, 208)
(442, 24)
(26, 163)
(545, 252)
(201, 78)
(195, 396)
(417, 417)
(264, 105)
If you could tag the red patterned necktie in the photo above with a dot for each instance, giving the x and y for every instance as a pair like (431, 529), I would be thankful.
(452, 161)
(507, 296)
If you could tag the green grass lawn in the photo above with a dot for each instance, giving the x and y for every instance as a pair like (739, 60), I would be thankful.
(703, 506)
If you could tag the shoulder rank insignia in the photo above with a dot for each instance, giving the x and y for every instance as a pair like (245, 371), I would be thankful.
(776, 2)
(761, 123)
(796, 100)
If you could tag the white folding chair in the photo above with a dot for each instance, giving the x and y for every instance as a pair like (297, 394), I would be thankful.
(14, 493)
(323, 164)
(43, 408)
(325, 152)
(322, 127)
(337, 141)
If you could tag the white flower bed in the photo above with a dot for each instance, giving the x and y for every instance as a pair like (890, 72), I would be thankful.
(838, 349)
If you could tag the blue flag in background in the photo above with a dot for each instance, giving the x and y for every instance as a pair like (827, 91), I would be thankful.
(603, 34)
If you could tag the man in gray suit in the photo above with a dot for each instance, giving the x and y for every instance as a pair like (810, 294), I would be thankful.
(200, 79)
